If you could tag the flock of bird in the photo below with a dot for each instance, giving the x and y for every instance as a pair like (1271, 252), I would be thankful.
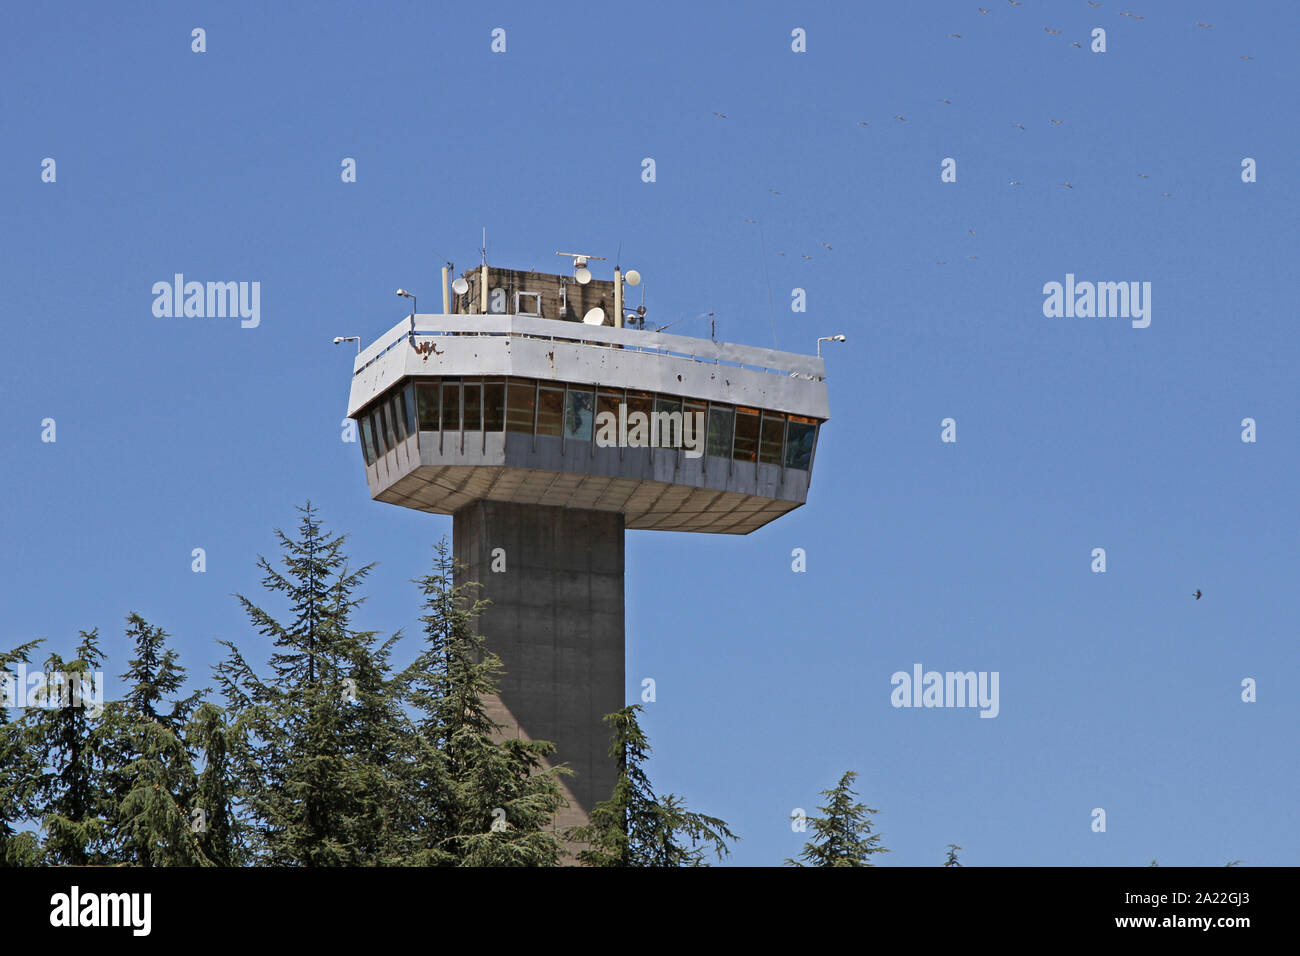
(1020, 126)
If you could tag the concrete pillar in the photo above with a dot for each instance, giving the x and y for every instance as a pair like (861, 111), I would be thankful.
(556, 622)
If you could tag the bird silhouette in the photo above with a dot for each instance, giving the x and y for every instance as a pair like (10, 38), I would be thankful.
(1165, 195)
(1133, 15)
(863, 123)
(949, 102)
(1078, 44)
(1248, 58)
(971, 231)
(1017, 126)
(780, 253)
(1206, 25)
(805, 257)
(720, 115)
(956, 36)
(1015, 182)
(774, 192)
(1057, 122)
(1091, 4)
(900, 119)
(1197, 595)
(826, 244)
(1050, 32)
(1014, 3)
(940, 262)
(972, 257)
(1144, 175)
(1067, 185)
(981, 10)
(754, 221)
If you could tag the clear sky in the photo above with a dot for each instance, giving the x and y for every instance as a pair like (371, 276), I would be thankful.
(1118, 690)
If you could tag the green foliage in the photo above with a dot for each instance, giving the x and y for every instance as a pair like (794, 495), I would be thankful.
(843, 837)
(481, 801)
(952, 855)
(637, 828)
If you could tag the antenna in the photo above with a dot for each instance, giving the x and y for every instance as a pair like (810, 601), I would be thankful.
(483, 248)
(580, 270)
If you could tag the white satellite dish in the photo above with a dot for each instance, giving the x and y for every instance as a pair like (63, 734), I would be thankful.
(460, 287)
(595, 317)
(633, 277)
(582, 274)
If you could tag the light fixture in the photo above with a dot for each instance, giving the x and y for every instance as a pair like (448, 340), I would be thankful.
(340, 339)
(829, 338)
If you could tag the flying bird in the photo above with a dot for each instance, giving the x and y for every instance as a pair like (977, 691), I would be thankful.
(805, 257)
(1165, 195)
(1197, 595)
(1078, 44)
(1017, 126)
(754, 221)
(940, 262)
(863, 123)
(1067, 185)
(1015, 182)
(1206, 25)
(780, 253)
(972, 257)
(1092, 4)
(827, 245)
(774, 192)
(955, 35)
(1144, 175)
(1014, 3)
(1050, 32)
(720, 115)
(1057, 122)
(900, 119)
(949, 102)
(981, 10)
(971, 231)
(1248, 58)
(1133, 15)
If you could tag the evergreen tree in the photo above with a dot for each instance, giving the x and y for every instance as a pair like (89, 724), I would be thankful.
(843, 837)
(478, 801)
(71, 750)
(208, 738)
(952, 855)
(16, 848)
(311, 788)
(154, 781)
(634, 827)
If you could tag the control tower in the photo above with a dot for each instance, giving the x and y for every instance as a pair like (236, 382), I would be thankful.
(547, 425)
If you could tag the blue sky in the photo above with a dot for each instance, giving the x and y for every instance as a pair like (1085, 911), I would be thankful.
(1117, 690)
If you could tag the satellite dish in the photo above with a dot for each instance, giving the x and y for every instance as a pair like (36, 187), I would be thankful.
(582, 274)
(460, 287)
(595, 317)
(633, 277)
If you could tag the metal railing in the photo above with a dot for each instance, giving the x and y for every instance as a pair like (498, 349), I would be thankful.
(704, 351)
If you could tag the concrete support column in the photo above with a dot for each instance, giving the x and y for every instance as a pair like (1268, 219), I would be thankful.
(556, 622)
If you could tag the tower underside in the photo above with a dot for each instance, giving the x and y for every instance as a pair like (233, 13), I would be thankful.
(555, 580)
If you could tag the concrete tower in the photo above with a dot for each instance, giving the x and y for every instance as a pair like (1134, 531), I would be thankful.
(546, 428)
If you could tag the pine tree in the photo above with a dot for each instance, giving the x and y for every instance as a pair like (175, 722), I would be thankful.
(16, 848)
(478, 801)
(634, 827)
(843, 837)
(952, 855)
(311, 787)
(154, 781)
(71, 748)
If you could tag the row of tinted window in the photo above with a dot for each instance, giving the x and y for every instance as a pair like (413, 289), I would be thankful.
(531, 407)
